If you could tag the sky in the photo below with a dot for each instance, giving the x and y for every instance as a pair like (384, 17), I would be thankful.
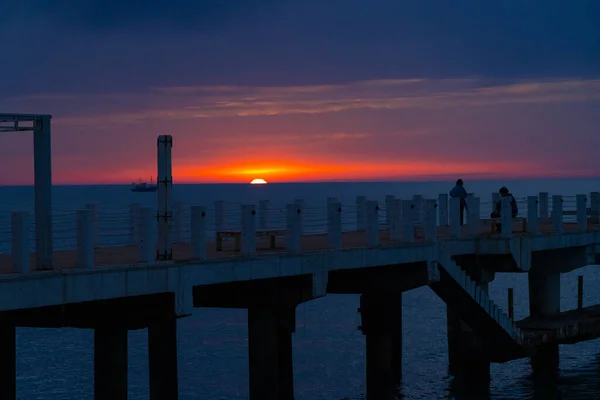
(311, 90)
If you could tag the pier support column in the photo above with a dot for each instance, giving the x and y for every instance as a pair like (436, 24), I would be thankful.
(381, 319)
(270, 352)
(110, 361)
(467, 362)
(544, 299)
(8, 362)
(162, 359)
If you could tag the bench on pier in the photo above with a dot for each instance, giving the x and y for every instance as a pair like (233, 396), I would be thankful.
(237, 235)
(493, 223)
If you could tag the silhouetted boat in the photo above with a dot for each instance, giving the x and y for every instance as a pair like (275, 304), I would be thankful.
(142, 186)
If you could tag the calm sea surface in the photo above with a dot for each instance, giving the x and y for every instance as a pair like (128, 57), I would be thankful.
(329, 353)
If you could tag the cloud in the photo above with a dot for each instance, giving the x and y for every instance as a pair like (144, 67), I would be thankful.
(200, 102)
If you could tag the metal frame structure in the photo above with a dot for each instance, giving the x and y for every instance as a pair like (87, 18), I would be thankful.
(39, 124)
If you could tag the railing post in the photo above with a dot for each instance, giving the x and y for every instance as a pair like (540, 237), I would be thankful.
(396, 228)
(454, 215)
(543, 198)
(301, 205)
(178, 221)
(408, 221)
(372, 223)
(220, 216)
(388, 210)
(419, 202)
(430, 220)
(506, 216)
(557, 213)
(595, 207)
(85, 235)
(443, 209)
(582, 215)
(533, 221)
(361, 213)
(96, 229)
(474, 215)
(292, 233)
(135, 218)
(198, 235)
(248, 245)
(263, 214)
(20, 242)
(334, 224)
(146, 245)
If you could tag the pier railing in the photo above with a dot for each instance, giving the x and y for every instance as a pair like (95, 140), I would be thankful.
(407, 220)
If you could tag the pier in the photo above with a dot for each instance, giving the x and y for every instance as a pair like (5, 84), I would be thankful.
(141, 267)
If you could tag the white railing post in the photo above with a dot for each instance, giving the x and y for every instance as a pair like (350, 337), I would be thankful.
(506, 216)
(408, 221)
(533, 221)
(361, 213)
(454, 216)
(164, 210)
(334, 224)
(146, 245)
(95, 218)
(443, 209)
(396, 228)
(582, 215)
(135, 217)
(85, 236)
(220, 216)
(263, 214)
(419, 203)
(178, 221)
(301, 205)
(248, 245)
(595, 207)
(293, 223)
(198, 235)
(388, 210)
(372, 223)
(473, 215)
(543, 206)
(20, 242)
(557, 213)
(430, 219)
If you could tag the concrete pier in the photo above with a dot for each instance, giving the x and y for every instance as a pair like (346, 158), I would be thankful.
(270, 352)
(110, 361)
(381, 319)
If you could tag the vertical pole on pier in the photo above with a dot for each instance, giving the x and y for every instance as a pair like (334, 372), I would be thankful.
(582, 214)
(454, 216)
(361, 213)
(178, 221)
(85, 238)
(595, 207)
(301, 204)
(511, 305)
(164, 214)
(474, 215)
(396, 228)
(263, 214)
(135, 219)
(408, 221)
(533, 221)
(334, 224)
(293, 224)
(579, 292)
(443, 209)
(146, 244)
(20, 242)
(220, 216)
(506, 216)
(557, 213)
(95, 209)
(388, 210)
(248, 229)
(198, 234)
(42, 165)
(372, 223)
(544, 214)
(430, 213)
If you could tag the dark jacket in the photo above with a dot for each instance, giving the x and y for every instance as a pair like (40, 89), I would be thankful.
(513, 206)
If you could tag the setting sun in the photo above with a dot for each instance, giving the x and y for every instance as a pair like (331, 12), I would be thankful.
(258, 181)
